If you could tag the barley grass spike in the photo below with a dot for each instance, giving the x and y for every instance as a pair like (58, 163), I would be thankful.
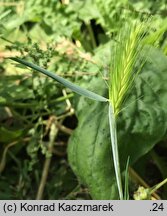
(126, 52)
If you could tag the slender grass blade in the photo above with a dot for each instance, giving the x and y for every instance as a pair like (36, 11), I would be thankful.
(73, 87)
(126, 187)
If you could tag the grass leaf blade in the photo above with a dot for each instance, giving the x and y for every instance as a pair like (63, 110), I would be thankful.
(126, 187)
(73, 87)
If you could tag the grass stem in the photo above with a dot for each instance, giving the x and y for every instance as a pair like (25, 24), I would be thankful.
(114, 145)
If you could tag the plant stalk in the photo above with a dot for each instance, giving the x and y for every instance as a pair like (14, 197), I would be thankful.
(114, 145)
(158, 186)
(53, 134)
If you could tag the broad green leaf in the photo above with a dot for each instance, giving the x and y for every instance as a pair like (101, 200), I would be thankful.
(63, 81)
(141, 125)
(89, 149)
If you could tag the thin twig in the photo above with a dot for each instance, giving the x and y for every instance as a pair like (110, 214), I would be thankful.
(158, 186)
(53, 134)
(64, 129)
(3, 160)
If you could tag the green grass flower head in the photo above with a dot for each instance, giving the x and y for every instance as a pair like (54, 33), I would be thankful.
(126, 52)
